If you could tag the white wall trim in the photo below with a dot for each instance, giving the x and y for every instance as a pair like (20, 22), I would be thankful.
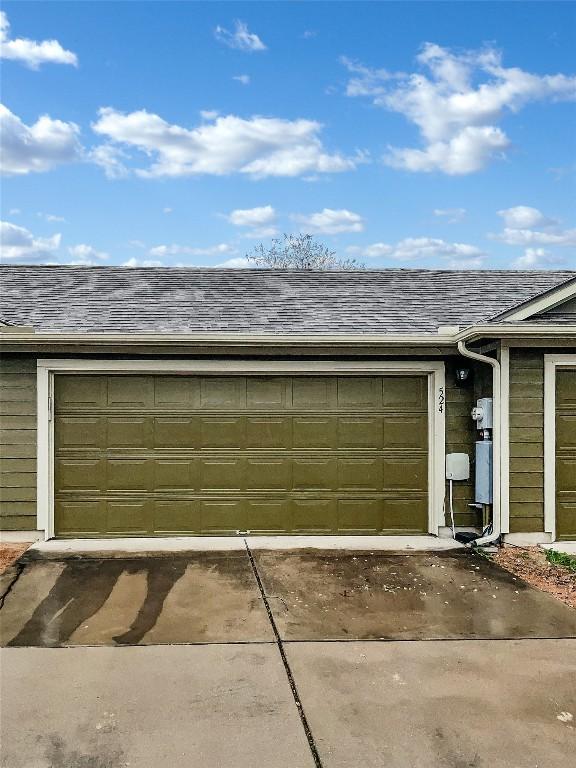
(551, 363)
(47, 368)
(505, 438)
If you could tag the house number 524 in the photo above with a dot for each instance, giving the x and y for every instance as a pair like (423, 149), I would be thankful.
(441, 400)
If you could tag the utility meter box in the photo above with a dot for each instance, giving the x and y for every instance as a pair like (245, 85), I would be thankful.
(482, 413)
(483, 472)
(457, 466)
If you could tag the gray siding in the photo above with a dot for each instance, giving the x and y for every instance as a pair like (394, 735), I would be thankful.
(17, 443)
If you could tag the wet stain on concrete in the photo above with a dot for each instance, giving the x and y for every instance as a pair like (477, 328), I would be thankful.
(394, 596)
(204, 597)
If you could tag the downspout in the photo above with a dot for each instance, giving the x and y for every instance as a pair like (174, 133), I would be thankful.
(496, 448)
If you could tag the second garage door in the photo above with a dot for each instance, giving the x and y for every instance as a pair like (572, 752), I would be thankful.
(566, 454)
(154, 454)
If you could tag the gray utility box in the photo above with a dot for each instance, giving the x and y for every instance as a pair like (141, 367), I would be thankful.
(483, 472)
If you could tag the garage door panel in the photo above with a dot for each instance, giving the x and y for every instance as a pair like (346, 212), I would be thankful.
(265, 432)
(222, 515)
(175, 432)
(130, 391)
(405, 393)
(80, 518)
(314, 432)
(360, 432)
(172, 517)
(130, 475)
(360, 392)
(360, 474)
(314, 515)
(405, 432)
(134, 432)
(566, 519)
(360, 516)
(566, 453)
(176, 475)
(223, 393)
(405, 515)
(176, 392)
(80, 433)
(314, 474)
(265, 393)
(313, 393)
(566, 432)
(268, 516)
(403, 473)
(268, 475)
(80, 475)
(222, 432)
(129, 517)
(221, 474)
(146, 454)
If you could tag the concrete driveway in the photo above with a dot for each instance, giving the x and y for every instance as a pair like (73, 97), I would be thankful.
(283, 659)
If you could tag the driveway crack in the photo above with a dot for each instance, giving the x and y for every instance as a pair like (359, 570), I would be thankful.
(284, 658)
(19, 571)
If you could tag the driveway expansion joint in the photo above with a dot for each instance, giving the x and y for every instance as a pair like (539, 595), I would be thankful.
(284, 658)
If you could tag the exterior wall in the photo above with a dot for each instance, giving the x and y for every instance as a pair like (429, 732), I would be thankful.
(18, 443)
(18, 439)
(527, 438)
(460, 438)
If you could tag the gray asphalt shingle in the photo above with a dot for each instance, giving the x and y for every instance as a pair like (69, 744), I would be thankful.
(186, 300)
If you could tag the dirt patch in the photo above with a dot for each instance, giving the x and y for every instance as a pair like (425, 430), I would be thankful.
(530, 564)
(9, 553)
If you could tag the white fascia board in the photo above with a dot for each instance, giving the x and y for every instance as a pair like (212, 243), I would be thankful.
(232, 339)
(541, 303)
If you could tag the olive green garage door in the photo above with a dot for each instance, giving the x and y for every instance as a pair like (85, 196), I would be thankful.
(565, 454)
(158, 454)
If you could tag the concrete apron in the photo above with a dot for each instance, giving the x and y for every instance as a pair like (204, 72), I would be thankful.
(214, 598)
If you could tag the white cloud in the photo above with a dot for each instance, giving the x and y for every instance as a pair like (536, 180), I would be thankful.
(525, 217)
(538, 258)
(458, 255)
(529, 227)
(38, 147)
(240, 262)
(239, 38)
(244, 79)
(252, 217)
(259, 146)
(329, 221)
(453, 215)
(260, 220)
(29, 52)
(109, 157)
(50, 217)
(20, 245)
(14, 211)
(167, 210)
(141, 263)
(456, 101)
(186, 250)
(86, 254)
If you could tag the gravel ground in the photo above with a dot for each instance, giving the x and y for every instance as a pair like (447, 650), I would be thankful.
(9, 553)
(530, 564)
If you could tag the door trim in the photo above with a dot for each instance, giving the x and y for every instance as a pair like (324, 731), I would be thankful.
(551, 363)
(46, 369)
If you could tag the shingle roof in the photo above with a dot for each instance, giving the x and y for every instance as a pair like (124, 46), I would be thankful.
(174, 300)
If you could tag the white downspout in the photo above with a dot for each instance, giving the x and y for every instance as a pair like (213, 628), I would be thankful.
(496, 446)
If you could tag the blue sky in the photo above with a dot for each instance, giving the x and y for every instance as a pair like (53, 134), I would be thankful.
(412, 134)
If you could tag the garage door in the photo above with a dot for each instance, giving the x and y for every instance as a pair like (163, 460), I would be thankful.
(151, 454)
(566, 454)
